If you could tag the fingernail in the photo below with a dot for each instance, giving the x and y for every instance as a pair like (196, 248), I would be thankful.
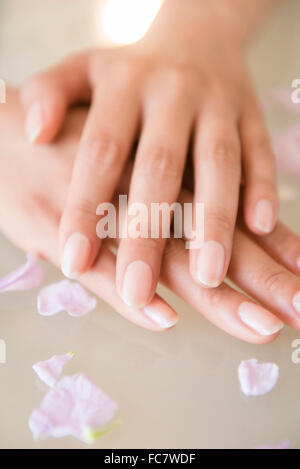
(34, 122)
(296, 302)
(161, 314)
(137, 284)
(211, 261)
(259, 319)
(264, 216)
(76, 255)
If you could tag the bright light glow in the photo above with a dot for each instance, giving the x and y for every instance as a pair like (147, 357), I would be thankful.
(127, 21)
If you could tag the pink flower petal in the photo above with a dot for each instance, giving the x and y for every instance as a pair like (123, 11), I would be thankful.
(283, 445)
(74, 407)
(50, 370)
(65, 296)
(257, 379)
(26, 277)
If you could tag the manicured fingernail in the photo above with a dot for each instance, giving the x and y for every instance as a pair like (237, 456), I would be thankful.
(296, 302)
(137, 284)
(161, 314)
(34, 122)
(211, 261)
(264, 216)
(259, 319)
(76, 255)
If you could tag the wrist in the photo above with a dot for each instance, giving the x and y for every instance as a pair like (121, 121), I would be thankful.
(199, 23)
(193, 25)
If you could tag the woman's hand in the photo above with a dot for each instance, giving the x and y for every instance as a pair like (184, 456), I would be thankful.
(266, 268)
(185, 79)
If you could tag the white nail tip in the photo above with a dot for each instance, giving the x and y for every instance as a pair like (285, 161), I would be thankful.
(259, 320)
(158, 319)
(259, 327)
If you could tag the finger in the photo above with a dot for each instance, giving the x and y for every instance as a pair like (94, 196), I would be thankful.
(42, 241)
(155, 186)
(157, 316)
(223, 306)
(47, 95)
(259, 171)
(258, 274)
(105, 144)
(284, 246)
(217, 163)
(176, 276)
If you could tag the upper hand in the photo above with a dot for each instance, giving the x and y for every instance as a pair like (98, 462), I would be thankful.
(169, 92)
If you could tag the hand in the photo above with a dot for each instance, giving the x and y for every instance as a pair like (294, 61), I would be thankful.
(266, 268)
(175, 83)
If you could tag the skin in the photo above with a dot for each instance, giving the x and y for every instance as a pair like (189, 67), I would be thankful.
(30, 211)
(185, 84)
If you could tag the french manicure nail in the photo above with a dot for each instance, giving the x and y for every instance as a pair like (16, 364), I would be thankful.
(76, 255)
(264, 216)
(34, 122)
(259, 319)
(137, 284)
(161, 314)
(296, 302)
(211, 262)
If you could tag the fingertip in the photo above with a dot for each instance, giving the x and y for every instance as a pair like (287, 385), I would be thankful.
(161, 313)
(210, 264)
(262, 217)
(137, 285)
(43, 121)
(259, 319)
(34, 123)
(76, 256)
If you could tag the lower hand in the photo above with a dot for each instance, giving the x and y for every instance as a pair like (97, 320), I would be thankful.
(266, 268)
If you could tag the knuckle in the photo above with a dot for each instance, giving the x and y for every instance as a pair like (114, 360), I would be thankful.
(262, 142)
(268, 184)
(118, 69)
(103, 150)
(178, 80)
(123, 72)
(39, 205)
(216, 295)
(272, 280)
(173, 248)
(221, 90)
(126, 68)
(81, 212)
(153, 245)
(223, 152)
(161, 163)
(220, 219)
(259, 142)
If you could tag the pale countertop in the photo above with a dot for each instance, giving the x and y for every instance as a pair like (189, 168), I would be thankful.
(175, 390)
